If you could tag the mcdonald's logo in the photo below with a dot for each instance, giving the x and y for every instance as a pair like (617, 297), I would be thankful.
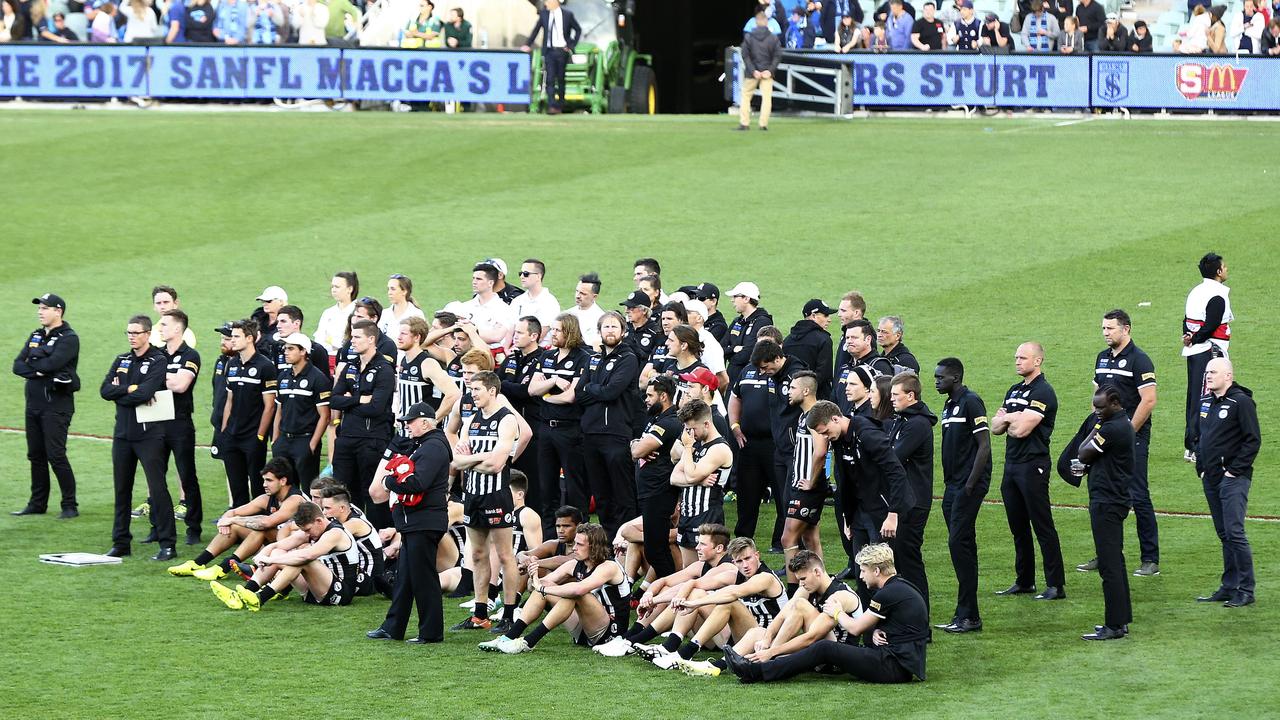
(1218, 82)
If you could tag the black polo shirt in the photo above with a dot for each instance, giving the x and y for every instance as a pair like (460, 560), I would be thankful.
(184, 358)
(1110, 474)
(930, 32)
(962, 420)
(904, 618)
(247, 382)
(516, 371)
(569, 368)
(1038, 397)
(752, 391)
(653, 472)
(1128, 371)
(298, 399)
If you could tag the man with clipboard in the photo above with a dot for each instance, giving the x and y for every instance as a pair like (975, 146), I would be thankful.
(132, 383)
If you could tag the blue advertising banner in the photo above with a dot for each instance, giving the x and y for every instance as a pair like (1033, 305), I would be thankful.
(1058, 81)
(933, 79)
(210, 71)
(1188, 82)
(49, 70)
(436, 76)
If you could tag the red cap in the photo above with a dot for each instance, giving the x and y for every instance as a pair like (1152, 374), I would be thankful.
(702, 376)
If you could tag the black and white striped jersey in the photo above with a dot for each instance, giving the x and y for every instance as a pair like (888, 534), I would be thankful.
(518, 540)
(371, 560)
(612, 595)
(698, 499)
(820, 599)
(344, 564)
(482, 437)
(413, 386)
(802, 460)
(762, 607)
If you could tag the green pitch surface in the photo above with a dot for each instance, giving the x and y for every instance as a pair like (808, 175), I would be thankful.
(981, 234)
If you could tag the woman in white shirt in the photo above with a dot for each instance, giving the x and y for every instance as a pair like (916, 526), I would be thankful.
(312, 17)
(401, 305)
(332, 327)
(143, 24)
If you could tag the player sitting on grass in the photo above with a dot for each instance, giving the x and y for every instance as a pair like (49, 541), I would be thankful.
(252, 525)
(320, 559)
(753, 601)
(336, 503)
(804, 620)
(588, 596)
(551, 554)
(656, 615)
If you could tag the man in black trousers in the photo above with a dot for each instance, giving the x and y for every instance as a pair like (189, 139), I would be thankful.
(560, 34)
(417, 487)
(133, 380)
(1107, 454)
(605, 394)
(48, 362)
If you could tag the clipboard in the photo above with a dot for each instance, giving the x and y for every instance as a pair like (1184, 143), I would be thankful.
(159, 409)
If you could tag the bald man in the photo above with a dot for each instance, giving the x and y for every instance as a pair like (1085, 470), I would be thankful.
(1026, 417)
(1227, 439)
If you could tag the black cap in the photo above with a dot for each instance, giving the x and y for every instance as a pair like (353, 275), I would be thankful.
(418, 410)
(816, 305)
(708, 291)
(690, 291)
(50, 300)
(224, 329)
(635, 300)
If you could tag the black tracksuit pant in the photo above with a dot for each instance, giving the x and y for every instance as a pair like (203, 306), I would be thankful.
(47, 448)
(417, 585)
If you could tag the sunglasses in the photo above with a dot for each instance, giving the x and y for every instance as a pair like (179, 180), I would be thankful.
(366, 299)
(526, 273)
(397, 276)
(135, 332)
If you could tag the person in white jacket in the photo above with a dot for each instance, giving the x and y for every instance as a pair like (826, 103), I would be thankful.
(143, 24)
(1245, 34)
(312, 17)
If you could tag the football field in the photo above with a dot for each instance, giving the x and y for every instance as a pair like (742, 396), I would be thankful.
(980, 233)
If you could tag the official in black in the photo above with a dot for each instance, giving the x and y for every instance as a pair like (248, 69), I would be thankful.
(777, 367)
(911, 432)
(246, 418)
(560, 446)
(890, 336)
(1227, 439)
(810, 344)
(363, 393)
(48, 362)
(418, 486)
(606, 396)
(643, 333)
(652, 453)
(741, 339)
(860, 351)
(1027, 417)
(133, 380)
(876, 494)
(1106, 454)
(180, 434)
(1127, 368)
(966, 477)
(218, 384)
(560, 35)
(302, 410)
(751, 426)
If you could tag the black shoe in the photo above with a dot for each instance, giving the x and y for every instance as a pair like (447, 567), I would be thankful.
(1219, 595)
(501, 628)
(1016, 589)
(1098, 628)
(28, 510)
(964, 626)
(422, 641)
(1240, 599)
(845, 574)
(740, 666)
(380, 634)
(118, 552)
(1105, 633)
(68, 514)
(947, 624)
(1052, 593)
(151, 537)
(742, 128)
(166, 553)
(764, 128)
(193, 537)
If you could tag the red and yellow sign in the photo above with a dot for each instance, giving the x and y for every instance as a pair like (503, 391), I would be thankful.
(1213, 82)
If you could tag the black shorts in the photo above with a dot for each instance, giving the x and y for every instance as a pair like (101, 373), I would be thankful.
(610, 631)
(805, 505)
(687, 530)
(340, 592)
(489, 512)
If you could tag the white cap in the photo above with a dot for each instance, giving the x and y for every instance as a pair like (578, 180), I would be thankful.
(745, 289)
(696, 306)
(274, 292)
(457, 308)
(298, 339)
(677, 297)
(498, 263)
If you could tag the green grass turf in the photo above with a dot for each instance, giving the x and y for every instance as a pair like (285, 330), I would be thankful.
(980, 233)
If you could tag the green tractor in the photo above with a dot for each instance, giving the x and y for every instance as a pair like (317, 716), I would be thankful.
(615, 79)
